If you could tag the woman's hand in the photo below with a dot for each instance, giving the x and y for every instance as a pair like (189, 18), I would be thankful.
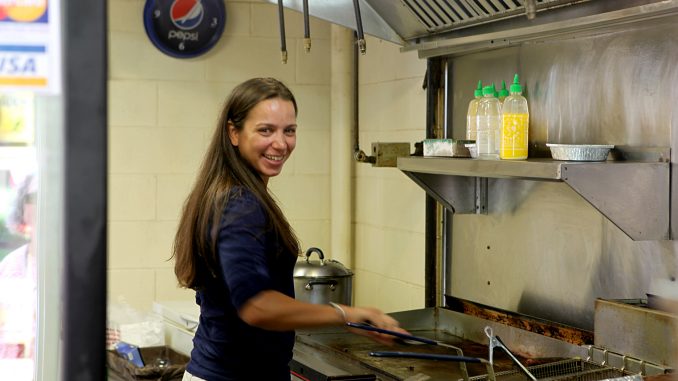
(373, 317)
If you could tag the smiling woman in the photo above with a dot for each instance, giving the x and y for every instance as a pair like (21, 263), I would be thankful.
(237, 250)
(268, 136)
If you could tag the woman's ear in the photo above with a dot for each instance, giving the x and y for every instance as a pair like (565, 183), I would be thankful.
(232, 133)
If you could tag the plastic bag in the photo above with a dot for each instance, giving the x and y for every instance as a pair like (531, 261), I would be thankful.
(129, 325)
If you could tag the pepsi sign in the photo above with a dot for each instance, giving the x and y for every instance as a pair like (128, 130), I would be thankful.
(184, 28)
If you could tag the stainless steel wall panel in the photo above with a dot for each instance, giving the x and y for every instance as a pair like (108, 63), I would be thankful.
(614, 89)
(543, 250)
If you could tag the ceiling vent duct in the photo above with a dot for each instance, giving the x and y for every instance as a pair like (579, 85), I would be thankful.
(444, 15)
(439, 27)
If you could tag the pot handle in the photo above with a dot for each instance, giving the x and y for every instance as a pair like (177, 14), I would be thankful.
(333, 284)
(311, 250)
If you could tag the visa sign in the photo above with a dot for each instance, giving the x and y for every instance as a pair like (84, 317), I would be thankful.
(23, 65)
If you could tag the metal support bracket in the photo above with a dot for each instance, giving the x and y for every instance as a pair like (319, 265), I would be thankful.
(633, 195)
(456, 193)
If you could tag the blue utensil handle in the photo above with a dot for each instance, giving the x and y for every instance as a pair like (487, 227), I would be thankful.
(425, 356)
(400, 335)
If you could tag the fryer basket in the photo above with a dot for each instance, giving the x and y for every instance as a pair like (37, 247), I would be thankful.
(565, 370)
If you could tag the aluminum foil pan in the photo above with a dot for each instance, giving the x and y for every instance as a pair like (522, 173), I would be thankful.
(580, 152)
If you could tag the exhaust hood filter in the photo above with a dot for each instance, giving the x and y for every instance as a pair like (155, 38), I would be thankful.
(445, 15)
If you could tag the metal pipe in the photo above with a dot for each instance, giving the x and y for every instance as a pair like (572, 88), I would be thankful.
(307, 29)
(358, 154)
(283, 44)
(341, 164)
(359, 27)
(432, 262)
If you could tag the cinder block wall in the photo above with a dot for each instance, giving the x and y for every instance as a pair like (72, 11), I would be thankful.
(389, 207)
(162, 112)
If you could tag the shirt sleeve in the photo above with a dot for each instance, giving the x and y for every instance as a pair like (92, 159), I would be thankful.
(241, 245)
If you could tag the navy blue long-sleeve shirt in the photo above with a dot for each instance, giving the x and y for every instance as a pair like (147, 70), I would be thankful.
(225, 347)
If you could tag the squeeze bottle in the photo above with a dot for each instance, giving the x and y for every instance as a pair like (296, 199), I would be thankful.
(471, 115)
(515, 124)
(489, 124)
(503, 92)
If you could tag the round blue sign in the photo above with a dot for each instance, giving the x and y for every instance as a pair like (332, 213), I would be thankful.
(184, 28)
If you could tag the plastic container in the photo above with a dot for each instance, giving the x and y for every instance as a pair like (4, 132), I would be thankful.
(489, 124)
(503, 92)
(161, 364)
(515, 124)
(471, 115)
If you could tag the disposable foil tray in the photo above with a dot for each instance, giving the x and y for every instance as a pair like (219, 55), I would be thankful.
(580, 152)
(565, 370)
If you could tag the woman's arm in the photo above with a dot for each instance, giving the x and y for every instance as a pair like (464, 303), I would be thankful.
(275, 311)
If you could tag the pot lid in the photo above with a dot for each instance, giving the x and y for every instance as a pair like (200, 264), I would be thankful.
(308, 268)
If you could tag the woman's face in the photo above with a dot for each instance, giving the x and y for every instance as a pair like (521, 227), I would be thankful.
(268, 136)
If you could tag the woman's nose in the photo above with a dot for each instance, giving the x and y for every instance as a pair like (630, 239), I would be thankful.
(279, 141)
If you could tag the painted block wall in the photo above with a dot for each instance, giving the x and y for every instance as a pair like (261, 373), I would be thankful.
(162, 112)
(389, 207)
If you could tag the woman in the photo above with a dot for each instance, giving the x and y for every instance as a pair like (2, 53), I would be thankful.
(235, 247)
(18, 281)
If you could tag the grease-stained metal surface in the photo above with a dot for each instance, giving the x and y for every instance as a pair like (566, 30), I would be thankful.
(355, 348)
(549, 329)
(343, 349)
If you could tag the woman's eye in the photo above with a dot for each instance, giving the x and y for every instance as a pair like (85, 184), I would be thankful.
(290, 131)
(265, 130)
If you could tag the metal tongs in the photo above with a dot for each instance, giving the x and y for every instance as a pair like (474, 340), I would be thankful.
(495, 342)
(411, 339)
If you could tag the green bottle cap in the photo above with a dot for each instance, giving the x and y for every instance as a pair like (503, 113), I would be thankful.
(479, 90)
(503, 92)
(515, 86)
(488, 90)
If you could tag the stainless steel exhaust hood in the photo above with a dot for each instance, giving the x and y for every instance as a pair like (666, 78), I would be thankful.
(439, 27)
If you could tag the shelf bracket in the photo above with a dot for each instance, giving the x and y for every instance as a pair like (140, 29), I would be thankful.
(633, 196)
(633, 193)
(456, 193)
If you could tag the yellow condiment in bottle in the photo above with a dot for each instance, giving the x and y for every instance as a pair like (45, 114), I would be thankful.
(515, 124)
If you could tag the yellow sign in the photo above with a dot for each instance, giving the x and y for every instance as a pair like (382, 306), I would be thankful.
(17, 123)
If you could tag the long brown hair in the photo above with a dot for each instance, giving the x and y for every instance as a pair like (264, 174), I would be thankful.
(221, 170)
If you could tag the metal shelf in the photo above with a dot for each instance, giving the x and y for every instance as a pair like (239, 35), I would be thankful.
(533, 169)
(634, 195)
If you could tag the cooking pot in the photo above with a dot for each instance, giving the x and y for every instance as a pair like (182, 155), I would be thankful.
(322, 281)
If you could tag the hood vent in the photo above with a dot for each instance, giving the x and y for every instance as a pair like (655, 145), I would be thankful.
(445, 15)
(439, 27)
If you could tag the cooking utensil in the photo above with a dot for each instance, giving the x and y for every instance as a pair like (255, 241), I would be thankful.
(322, 281)
(408, 339)
(411, 339)
(579, 152)
(428, 356)
(495, 342)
